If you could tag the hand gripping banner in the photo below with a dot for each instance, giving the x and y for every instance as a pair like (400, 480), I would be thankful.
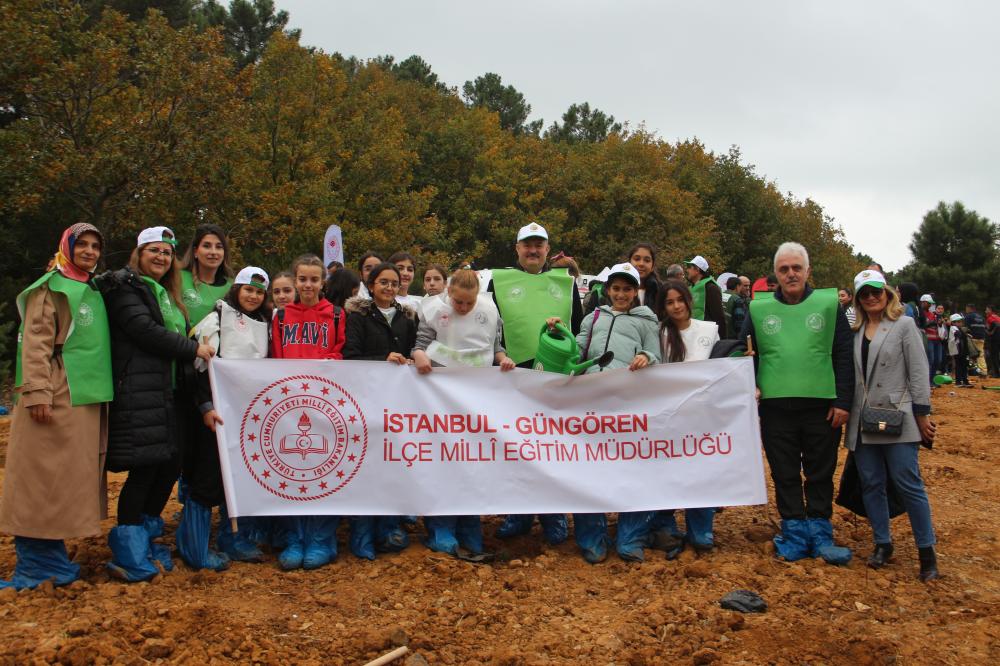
(367, 438)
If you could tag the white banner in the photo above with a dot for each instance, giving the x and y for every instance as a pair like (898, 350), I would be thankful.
(333, 245)
(369, 438)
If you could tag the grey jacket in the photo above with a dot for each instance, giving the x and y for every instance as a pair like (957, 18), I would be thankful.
(897, 378)
(624, 333)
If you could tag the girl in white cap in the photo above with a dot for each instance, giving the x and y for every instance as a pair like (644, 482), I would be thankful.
(236, 328)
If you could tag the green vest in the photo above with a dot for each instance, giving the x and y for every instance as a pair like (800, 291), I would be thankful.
(525, 301)
(698, 297)
(86, 351)
(173, 318)
(795, 346)
(200, 300)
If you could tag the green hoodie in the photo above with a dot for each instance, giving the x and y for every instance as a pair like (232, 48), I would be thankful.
(625, 333)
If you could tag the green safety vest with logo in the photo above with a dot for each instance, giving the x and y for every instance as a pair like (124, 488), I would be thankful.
(86, 350)
(526, 301)
(173, 318)
(200, 300)
(698, 297)
(795, 346)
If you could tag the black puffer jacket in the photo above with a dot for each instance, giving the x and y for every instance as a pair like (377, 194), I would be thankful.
(369, 337)
(142, 428)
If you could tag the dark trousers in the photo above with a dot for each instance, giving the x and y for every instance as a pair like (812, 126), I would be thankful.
(961, 369)
(992, 352)
(799, 442)
(202, 471)
(146, 491)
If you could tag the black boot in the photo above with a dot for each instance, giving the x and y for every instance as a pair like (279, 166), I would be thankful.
(880, 556)
(928, 564)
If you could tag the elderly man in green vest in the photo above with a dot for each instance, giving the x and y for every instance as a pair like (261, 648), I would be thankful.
(805, 382)
(526, 296)
(706, 295)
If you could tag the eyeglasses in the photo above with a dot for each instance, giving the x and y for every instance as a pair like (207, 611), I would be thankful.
(871, 292)
(387, 283)
(162, 253)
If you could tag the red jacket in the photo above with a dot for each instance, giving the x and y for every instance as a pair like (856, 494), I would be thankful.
(931, 327)
(299, 331)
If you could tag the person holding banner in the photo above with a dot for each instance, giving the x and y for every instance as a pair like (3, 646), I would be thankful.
(706, 295)
(629, 330)
(311, 327)
(237, 328)
(458, 329)
(54, 487)
(805, 379)
(205, 276)
(407, 267)
(683, 339)
(379, 328)
(150, 351)
(526, 296)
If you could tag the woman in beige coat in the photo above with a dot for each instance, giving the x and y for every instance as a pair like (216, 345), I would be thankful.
(54, 479)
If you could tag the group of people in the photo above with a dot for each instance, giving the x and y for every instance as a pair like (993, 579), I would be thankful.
(112, 376)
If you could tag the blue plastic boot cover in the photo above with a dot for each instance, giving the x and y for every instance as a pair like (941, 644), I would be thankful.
(591, 533)
(320, 538)
(161, 552)
(662, 528)
(633, 531)
(441, 533)
(237, 546)
(821, 543)
(793, 542)
(515, 525)
(131, 557)
(39, 560)
(699, 527)
(193, 533)
(390, 537)
(362, 539)
(293, 532)
(555, 527)
(469, 530)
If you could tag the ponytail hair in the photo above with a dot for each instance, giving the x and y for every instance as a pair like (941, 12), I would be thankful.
(465, 278)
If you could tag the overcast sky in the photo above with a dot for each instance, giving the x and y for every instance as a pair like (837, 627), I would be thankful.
(876, 110)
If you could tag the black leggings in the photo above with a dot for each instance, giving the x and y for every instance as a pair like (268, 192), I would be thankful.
(202, 471)
(146, 491)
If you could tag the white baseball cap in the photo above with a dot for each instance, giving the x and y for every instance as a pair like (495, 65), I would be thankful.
(700, 262)
(253, 276)
(626, 270)
(956, 317)
(156, 235)
(927, 298)
(868, 278)
(533, 230)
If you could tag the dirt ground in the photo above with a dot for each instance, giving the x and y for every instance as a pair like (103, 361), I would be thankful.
(545, 605)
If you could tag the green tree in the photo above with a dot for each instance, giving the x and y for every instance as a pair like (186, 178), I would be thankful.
(489, 91)
(417, 70)
(581, 124)
(955, 255)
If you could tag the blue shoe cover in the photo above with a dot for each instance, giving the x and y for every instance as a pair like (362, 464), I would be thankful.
(39, 560)
(192, 536)
(236, 545)
(699, 528)
(293, 530)
(161, 552)
(555, 527)
(389, 535)
(633, 532)
(469, 531)
(320, 539)
(821, 543)
(362, 539)
(441, 533)
(591, 533)
(515, 525)
(131, 557)
(793, 542)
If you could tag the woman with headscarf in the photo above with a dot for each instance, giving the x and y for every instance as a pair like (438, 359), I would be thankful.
(54, 485)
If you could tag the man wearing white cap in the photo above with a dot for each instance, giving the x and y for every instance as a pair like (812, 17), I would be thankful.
(706, 296)
(935, 347)
(527, 295)
(805, 379)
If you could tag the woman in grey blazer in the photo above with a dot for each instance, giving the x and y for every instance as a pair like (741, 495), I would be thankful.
(891, 373)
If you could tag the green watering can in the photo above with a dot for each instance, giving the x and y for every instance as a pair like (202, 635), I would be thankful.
(558, 352)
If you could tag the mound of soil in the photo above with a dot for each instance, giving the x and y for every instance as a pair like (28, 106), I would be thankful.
(544, 605)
